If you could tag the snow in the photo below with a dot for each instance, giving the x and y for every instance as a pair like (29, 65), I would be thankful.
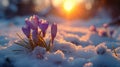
(89, 64)
(74, 46)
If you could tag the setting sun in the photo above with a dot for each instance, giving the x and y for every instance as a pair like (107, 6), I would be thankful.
(69, 5)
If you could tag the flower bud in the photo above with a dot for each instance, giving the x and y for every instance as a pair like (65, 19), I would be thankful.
(53, 31)
(26, 31)
(92, 28)
(105, 25)
(102, 33)
(43, 26)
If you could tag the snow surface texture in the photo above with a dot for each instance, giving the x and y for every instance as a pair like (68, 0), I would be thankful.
(74, 46)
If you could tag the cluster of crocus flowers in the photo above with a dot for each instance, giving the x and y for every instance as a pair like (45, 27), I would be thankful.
(104, 32)
(35, 31)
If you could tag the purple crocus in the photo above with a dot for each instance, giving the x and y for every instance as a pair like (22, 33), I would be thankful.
(40, 21)
(26, 31)
(36, 18)
(27, 22)
(43, 26)
(105, 25)
(111, 32)
(32, 22)
(53, 31)
(92, 28)
(102, 33)
(35, 35)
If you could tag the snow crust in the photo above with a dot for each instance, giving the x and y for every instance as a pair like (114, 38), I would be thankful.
(74, 46)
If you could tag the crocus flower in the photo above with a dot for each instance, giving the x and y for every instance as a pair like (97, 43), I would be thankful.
(111, 32)
(26, 31)
(43, 26)
(35, 35)
(36, 18)
(40, 21)
(27, 22)
(92, 28)
(105, 25)
(53, 31)
(102, 33)
(32, 22)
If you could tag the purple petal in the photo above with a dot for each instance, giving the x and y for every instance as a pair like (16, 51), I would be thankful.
(34, 35)
(53, 31)
(112, 32)
(32, 22)
(36, 19)
(26, 31)
(39, 21)
(33, 26)
(43, 26)
(27, 22)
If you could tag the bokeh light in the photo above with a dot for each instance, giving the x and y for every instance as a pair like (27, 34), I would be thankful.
(69, 5)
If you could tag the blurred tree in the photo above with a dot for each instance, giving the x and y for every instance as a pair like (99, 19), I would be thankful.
(11, 9)
(25, 8)
(112, 6)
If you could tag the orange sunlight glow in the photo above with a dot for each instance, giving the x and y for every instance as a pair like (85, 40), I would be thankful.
(69, 5)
